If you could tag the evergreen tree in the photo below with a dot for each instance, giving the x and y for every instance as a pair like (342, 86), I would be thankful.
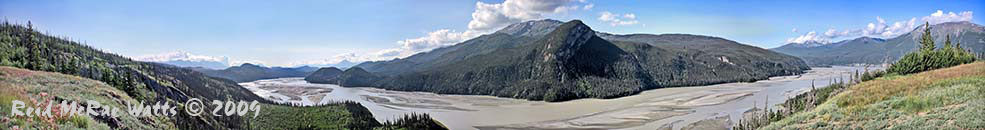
(928, 58)
(927, 40)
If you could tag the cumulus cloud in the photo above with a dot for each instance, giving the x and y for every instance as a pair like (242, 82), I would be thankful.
(941, 17)
(186, 59)
(810, 36)
(179, 56)
(882, 29)
(588, 7)
(618, 19)
(434, 39)
(487, 18)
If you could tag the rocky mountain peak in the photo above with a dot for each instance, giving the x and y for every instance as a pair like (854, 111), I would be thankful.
(535, 28)
(948, 28)
(568, 38)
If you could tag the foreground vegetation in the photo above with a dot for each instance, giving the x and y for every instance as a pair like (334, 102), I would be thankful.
(803, 102)
(127, 80)
(33, 87)
(333, 116)
(951, 98)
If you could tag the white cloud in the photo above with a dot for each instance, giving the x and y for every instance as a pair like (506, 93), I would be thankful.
(588, 7)
(810, 36)
(793, 30)
(179, 56)
(941, 17)
(629, 16)
(616, 20)
(186, 59)
(487, 18)
(434, 39)
(881, 29)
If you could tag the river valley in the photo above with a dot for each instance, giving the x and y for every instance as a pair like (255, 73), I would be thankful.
(695, 107)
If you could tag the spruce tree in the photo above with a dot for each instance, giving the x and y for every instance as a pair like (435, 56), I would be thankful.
(926, 41)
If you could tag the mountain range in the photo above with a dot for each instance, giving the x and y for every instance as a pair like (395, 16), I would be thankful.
(556, 61)
(119, 78)
(249, 72)
(867, 50)
(341, 64)
(186, 59)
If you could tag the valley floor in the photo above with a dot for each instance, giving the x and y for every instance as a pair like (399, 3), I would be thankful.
(699, 107)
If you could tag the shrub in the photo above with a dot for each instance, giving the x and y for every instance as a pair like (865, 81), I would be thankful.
(870, 75)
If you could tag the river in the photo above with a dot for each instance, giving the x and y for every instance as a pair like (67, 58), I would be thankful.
(701, 107)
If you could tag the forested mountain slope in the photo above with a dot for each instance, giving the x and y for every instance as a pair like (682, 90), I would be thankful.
(573, 61)
(23, 47)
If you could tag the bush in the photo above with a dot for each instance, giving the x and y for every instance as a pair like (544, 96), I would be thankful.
(872, 75)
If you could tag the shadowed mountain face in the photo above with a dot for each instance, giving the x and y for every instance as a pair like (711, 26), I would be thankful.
(572, 61)
(250, 72)
(867, 50)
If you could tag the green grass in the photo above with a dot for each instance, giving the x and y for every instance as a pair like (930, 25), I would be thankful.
(24, 85)
(951, 98)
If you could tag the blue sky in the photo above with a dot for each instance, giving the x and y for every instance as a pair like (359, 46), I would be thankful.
(288, 33)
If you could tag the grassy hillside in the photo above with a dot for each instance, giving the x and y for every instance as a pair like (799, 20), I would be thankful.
(951, 98)
(28, 86)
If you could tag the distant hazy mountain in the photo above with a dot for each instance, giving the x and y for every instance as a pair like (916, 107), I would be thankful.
(341, 64)
(807, 44)
(250, 72)
(185, 59)
(867, 50)
(555, 61)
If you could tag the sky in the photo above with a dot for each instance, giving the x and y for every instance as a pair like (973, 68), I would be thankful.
(293, 33)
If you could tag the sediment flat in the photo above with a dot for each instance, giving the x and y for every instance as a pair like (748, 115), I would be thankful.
(711, 106)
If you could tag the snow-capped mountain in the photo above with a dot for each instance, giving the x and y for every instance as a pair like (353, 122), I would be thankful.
(186, 59)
